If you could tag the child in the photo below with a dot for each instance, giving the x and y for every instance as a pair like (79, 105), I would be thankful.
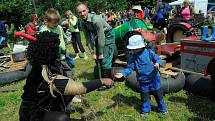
(51, 21)
(52, 18)
(146, 64)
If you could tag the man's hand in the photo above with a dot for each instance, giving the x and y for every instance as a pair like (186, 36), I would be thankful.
(107, 82)
(118, 75)
(157, 65)
(100, 57)
(94, 57)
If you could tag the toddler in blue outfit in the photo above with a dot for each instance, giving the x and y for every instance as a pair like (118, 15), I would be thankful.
(146, 64)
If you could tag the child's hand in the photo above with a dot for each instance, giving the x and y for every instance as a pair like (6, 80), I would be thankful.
(118, 75)
(157, 65)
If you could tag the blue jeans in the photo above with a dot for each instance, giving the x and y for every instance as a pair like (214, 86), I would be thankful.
(154, 88)
(2, 40)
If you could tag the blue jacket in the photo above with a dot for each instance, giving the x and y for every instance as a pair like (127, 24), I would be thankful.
(143, 64)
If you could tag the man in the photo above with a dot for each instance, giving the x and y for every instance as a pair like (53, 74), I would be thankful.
(103, 38)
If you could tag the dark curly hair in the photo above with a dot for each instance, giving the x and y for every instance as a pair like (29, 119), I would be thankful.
(45, 50)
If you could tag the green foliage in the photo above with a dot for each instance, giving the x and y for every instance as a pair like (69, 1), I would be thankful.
(118, 5)
(13, 10)
(19, 10)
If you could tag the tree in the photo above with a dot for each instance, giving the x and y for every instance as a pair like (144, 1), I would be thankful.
(117, 5)
(14, 10)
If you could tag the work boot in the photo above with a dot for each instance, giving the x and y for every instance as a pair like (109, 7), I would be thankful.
(70, 108)
(212, 36)
(204, 32)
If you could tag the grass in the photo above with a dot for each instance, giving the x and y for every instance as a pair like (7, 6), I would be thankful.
(118, 103)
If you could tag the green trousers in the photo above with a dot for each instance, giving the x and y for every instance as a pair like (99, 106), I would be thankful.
(109, 49)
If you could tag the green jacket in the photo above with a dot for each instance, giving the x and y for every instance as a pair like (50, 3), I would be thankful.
(73, 24)
(60, 32)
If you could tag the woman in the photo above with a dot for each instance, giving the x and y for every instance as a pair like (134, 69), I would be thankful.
(75, 33)
(186, 12)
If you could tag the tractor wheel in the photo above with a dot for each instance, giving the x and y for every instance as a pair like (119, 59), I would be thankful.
(211, 70)
(176, 33)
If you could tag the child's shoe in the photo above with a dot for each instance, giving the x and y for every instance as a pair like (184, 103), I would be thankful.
(144, 115)
(164, 114)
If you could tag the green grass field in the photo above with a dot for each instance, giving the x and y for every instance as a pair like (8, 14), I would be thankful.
(118, 103)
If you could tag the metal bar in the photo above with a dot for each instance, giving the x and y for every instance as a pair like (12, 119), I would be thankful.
(98, 64)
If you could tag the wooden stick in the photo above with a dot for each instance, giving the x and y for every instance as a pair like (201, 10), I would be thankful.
(8, 90)
(186, 71)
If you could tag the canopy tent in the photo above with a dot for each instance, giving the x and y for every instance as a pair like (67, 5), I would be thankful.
(179, 2)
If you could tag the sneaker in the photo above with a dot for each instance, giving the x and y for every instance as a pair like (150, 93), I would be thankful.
(163, 114)
(144, 114)
(70, 108)
(85, 56)
(76, 57)
(76, 100)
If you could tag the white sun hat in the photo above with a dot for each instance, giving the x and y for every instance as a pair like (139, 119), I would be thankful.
(136, 42)
(137, 7)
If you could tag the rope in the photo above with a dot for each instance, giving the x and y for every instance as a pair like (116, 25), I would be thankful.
(49, 79)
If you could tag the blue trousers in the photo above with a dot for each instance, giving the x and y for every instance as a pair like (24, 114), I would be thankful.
(153, 87)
